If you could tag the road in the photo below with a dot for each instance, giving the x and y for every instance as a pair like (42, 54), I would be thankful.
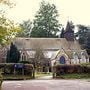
(46, 85)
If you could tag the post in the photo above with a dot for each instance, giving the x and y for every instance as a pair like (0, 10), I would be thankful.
(33, 73)
(53, 71)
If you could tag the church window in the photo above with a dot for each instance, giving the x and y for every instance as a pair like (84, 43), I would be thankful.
(75, 56)
(23, 57)
(62, 60)
(83, 56)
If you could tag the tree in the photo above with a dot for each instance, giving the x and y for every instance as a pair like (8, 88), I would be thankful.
(7, 2)
(8, 30)
(62, 33)
(84, 37)
(40, 61)
(45, 22)
(4, 1)
(25, 29)
(13, 55)
(82, 34)
(87, 46)
(38, 57)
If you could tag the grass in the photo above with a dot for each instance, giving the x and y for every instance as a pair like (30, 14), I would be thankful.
(24, 77)
(74, 76)
(37, 75)
(16, 77)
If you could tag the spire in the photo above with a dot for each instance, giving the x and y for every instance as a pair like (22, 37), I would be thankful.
(69, 33)
(69, 26)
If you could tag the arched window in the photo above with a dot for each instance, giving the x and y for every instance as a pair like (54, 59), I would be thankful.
(83, 57)
(62, 60)
(23, 57)
(75, 56)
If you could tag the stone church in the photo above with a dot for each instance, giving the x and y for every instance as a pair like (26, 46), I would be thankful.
(65, 50)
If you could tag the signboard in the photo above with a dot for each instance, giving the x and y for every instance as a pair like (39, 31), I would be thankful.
(19, 66)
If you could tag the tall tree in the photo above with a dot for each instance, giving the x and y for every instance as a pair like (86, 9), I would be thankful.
(45, 22)
(62, 33)
(84, 37)
(25, 29)
(87, 46)
(82, 34)
(13, 55)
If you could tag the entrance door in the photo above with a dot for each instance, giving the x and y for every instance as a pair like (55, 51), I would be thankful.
(62, 60)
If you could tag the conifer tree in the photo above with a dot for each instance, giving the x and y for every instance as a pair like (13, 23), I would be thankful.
(62, 33)
(13, 55)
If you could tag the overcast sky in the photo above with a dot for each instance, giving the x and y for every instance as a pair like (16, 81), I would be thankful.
(76, 10)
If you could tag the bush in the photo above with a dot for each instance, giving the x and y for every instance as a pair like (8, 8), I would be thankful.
(69, 69)
(9, 68)
(28, 69)
(24, 62)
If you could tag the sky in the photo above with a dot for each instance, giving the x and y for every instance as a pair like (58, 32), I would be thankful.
(76, 11)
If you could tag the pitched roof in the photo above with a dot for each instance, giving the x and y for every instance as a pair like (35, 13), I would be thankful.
(45, 43)
(69, 53)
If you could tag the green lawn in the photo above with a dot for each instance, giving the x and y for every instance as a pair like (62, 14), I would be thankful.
(74, 76)
(16, 77)
(24, 77)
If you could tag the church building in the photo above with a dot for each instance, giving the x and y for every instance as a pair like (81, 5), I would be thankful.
(64, 50)
(73, 54)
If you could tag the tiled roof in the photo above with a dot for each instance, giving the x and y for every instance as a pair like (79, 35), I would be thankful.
(45, 43)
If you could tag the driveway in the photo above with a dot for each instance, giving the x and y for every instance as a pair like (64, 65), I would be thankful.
(46, 85)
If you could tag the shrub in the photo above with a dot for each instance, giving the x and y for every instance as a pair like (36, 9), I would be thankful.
(69, 69)
(24, 62)
(9, 68)
(28, 69)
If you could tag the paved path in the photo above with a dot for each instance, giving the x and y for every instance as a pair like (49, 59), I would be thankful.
(46, 85)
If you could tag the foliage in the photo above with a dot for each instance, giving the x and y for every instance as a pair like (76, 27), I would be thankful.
(7, 2)
(39, 57)
(41, 63)
(62, 33)
(70, 69)
(28, 69)
(8, 30)
(8, 68)
(4, 1)
(25, 29)
(83, 34)
(45, 22)
(24, 62)
(84, 37)
(13, 55)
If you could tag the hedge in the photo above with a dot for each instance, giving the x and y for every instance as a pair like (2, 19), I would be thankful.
(9, 69)
(69, 69)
